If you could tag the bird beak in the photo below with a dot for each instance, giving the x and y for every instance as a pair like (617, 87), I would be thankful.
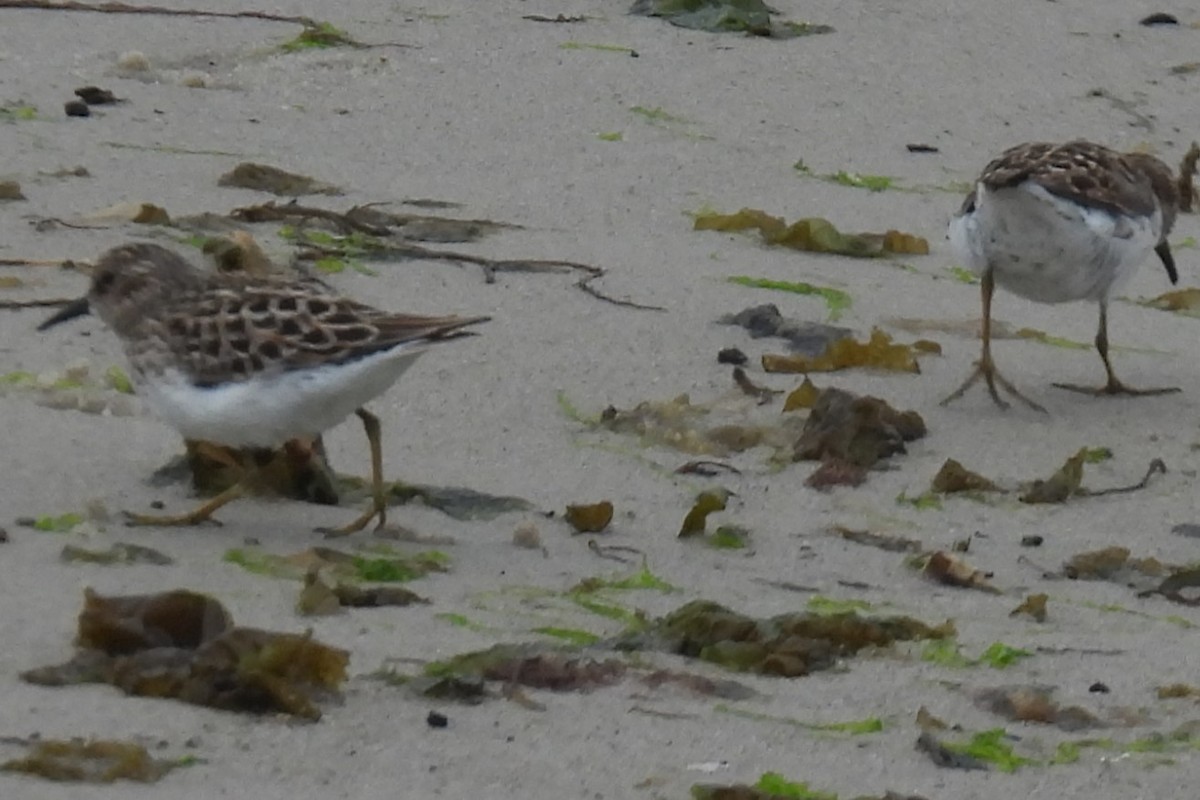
(76, 308)
(1164, 253)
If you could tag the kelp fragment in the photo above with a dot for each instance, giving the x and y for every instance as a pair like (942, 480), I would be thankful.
(698, 684)
(807, 338)
(320, 597)
(589, 517)
(1173, 585)
(788, 645)
(953, 477)
(878, 352)
(1034, 704)
(118, 553)
(949, 569)
(726, 16)
(803, 396)
(812, 234)
(140, 213)
(181, 645)
(770, 786)
(860, 430)
(536, 666)
(763, 394)
(1112, 564)
(1060, 486)
(457, 502)
(706, 503)
(265, 178)
(989, 747)
(378, 565)
(1033, 606)
(90, 761)
(691, 428)
(891, 544)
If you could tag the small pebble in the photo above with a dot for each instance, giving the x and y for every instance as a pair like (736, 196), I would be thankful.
(436, 720)
(1099, 688)
(133, 61)
(1188, 529)
(1159, 18)
(1033, 540)
(194, 80)
(526, 535)
(731, 355)
(77, 108)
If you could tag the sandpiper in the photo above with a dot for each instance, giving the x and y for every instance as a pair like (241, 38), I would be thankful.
(252, 361)
(1061, 222)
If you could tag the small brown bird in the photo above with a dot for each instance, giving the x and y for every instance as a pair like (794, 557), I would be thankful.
(252, 361)
(1061, 222)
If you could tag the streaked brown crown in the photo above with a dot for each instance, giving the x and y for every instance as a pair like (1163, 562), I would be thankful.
(228, 327)
(1091, 175)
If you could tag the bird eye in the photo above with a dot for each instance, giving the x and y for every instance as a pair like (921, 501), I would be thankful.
(104, 282)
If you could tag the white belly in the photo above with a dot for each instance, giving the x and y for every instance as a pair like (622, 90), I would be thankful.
(1051, 250)
(268, 411)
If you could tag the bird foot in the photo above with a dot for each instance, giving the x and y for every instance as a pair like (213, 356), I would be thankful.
(986, 370)
(1114, 387)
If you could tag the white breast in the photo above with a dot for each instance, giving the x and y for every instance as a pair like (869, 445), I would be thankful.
(268, 411)
(1052, 250)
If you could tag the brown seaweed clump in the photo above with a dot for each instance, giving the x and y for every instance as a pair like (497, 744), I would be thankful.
(183, 645)
(788, 645)
(854, 433)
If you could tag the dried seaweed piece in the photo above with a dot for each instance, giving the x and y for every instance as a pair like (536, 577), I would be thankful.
(1060, 486)
(1176, 690)
(11, 190)
(699, 684)
(119, 553)
(265, 178)
(690, 428)
(892, 544)
(1172, 587)
(706, 503)
(1186, 301)
(806, 338)
(803, 396)
(95, 96)
(951, 570)
(91, 761)
(1033, 606)
(557, 672)
(1112, 564)
(944, 757)
(813, 234)
(141, 213)
(764, 394)
(1034, 704)
(855, 429)
(878, 352)
(457, 502)
(591, 517)
(954, 477)
(836, 472)
(119, 625)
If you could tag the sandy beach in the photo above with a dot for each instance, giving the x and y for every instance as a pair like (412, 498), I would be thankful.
(594, 142)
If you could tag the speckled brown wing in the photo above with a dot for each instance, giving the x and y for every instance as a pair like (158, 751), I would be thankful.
(1083, 172)
(234, 330)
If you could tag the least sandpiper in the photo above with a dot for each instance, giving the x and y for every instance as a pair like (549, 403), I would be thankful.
(1061, 222)
(251, 361)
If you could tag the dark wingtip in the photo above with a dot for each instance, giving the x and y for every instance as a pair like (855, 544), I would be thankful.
(1164, 253)
(76, 308)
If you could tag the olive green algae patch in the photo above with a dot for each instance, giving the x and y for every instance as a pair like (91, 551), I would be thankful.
(812, 234)
(788, 645)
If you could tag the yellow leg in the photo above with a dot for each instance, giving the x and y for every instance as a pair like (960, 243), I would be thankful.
(986, 368)
(203, 513)
(1114, 385)
(379, 501)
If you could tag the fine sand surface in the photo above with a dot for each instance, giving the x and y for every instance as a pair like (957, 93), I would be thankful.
(487, 109)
